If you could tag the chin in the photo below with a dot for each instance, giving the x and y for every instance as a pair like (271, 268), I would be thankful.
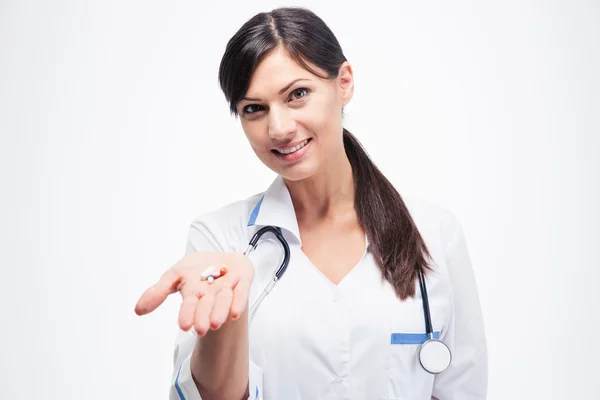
(297, 172)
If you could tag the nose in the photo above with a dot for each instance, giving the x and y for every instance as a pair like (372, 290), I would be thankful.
(280, 124)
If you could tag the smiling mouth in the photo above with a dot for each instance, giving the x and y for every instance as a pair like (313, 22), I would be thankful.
(291, 150)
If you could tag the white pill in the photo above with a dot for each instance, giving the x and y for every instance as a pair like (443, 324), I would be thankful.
(207, 272)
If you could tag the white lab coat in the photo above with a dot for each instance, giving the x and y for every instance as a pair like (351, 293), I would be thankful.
(313, 340)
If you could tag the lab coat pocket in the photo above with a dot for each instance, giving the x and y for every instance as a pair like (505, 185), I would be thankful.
(407, 379)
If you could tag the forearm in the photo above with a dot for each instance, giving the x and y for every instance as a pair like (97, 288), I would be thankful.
(220, 361)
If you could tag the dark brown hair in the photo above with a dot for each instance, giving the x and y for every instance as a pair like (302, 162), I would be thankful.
(394, 240)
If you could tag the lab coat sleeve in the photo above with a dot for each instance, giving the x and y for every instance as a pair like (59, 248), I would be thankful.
(466, 378)
(183, 387)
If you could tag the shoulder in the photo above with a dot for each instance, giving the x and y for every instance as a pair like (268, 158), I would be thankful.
(223, 228)
(443, 235)
(437, 224)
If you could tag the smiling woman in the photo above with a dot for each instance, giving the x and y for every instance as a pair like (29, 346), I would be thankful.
(346, 321)
(285, 99)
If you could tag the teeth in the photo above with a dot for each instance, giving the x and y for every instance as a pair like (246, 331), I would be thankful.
(293, 149)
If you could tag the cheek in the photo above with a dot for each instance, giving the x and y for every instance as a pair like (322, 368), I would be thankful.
(258, 137)
(254, 134)
(324, 118)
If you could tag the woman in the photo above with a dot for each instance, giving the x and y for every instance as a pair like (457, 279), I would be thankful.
(346, 319)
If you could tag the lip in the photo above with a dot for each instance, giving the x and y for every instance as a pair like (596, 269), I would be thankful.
(291, 158)
(289, 146)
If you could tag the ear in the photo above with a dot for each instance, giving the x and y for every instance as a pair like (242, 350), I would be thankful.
(345, 81)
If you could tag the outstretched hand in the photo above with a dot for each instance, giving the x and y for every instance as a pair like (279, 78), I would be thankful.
(204, 306)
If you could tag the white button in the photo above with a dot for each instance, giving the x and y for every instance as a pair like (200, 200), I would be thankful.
(335, 296)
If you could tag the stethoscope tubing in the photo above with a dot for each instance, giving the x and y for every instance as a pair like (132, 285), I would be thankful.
(276, 231)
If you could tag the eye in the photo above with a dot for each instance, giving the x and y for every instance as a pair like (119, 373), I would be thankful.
(299, 93)
(251, 109)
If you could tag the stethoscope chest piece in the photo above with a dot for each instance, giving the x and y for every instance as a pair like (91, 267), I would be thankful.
(434, 356)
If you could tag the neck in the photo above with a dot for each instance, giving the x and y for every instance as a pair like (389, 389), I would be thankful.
(328, 193)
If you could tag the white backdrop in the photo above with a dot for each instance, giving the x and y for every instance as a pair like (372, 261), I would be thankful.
(115, 136)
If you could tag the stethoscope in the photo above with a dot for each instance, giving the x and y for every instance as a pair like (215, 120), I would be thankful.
(434, 355)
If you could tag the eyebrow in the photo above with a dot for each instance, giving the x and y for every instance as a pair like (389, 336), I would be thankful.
(281, 91)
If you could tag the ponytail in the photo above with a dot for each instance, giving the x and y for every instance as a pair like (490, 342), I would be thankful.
(394, 240)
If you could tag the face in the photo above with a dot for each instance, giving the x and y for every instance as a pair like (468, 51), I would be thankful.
(293, 118)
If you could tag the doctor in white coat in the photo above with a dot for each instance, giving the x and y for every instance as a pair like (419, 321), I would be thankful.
(346, 320)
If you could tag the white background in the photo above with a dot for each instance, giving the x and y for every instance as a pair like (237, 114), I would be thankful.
(115, 135)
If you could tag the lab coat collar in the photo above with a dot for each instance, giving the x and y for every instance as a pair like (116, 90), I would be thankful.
(276, 208)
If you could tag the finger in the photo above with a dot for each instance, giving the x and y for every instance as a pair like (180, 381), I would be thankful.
(202, 315)
(221, 308)
(187, 311)
(155, 295)
(240, 298)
